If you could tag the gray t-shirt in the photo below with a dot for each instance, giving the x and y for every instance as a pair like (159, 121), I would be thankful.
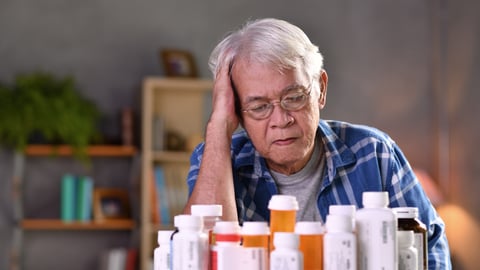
(302, 183)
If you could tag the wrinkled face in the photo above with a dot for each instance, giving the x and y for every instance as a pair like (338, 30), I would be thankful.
(284, 138)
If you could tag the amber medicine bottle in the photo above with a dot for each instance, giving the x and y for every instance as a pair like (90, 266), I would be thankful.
(283, 213)
(408, 221)
(311, 243)
(255, 234)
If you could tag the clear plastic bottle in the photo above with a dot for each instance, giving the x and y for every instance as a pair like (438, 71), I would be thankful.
(211, 213)
(408, 220)
(189, 244)
(161, 257)
(339, 244)
(311, 243)
(407, 253)
(376, 228)
(286, 255)
(283, 213)
(226, 235)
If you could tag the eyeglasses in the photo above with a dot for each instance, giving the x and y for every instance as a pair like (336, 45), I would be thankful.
(294, 100)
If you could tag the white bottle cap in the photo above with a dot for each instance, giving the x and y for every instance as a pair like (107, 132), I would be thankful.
(188, 221)
(206, 210)
(226, 227)
(255, 228)
(339, 223)
(346, 210)
(405, 239)
(375, 199)
(283, 203)
(163, 237)
(406, 212)
(286, 239)
(309, 227)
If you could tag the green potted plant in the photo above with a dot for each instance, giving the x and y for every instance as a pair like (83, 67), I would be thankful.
(42, 105)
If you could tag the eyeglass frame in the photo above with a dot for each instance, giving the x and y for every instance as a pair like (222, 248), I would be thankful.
(271, 104)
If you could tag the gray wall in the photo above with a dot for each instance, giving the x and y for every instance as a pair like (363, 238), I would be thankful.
(406, 67)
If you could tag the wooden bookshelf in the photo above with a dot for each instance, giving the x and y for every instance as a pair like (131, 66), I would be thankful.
(94, 150)
(57, 224)
(183, 105)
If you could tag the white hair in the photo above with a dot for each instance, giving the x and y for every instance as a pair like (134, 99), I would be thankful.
(269, 41)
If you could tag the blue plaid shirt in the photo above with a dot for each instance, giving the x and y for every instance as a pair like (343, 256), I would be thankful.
(358, 159)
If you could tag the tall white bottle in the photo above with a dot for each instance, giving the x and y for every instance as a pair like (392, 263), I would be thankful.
(376, 228)
(161, 255)
(189, 244)
(286, 255)
(339, 244)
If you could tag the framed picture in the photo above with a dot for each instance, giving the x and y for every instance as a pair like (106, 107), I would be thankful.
(110, 204)
(178, 63)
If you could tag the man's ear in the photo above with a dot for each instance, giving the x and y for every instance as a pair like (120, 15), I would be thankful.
(323, 83)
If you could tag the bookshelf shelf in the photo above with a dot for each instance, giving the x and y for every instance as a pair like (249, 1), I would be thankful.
(94, 150)
(104, 155)
(57, 224)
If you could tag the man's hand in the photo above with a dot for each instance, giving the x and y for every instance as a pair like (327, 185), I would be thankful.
(214, 183)
(223, 111)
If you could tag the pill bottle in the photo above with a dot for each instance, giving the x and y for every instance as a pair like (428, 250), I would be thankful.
(283, 213)
(407, 218)
(286, 255)
(311, 243)
(339, 244)
(345, 209)
(161, 254)
(256, 234)
(407, 253)
(211, 213)
(189, 244)
(376, 228)
(226, 234)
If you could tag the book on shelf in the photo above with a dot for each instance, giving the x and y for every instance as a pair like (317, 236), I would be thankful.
(119, 259)
(169, 193)
(84, 199)
(154, 201)
(175, 181)
(162, 196)
(68, 198)
(76, 198)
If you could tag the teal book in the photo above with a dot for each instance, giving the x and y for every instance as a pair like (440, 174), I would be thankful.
(84, 199)
(162, 193)
(68, 198)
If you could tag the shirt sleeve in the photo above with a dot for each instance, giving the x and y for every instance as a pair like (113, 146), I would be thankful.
(195, 160)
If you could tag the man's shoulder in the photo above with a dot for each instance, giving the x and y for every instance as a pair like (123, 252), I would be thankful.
(351, 133)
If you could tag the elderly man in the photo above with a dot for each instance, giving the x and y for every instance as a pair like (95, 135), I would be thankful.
(269, 78)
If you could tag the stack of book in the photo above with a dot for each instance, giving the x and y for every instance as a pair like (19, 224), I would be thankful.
(76, 198)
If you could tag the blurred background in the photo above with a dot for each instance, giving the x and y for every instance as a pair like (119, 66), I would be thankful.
(406, 67)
